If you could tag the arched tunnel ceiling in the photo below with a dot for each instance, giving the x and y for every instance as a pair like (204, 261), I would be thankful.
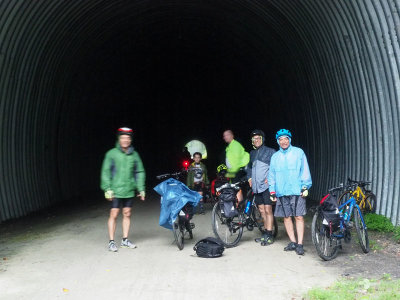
(72, 72)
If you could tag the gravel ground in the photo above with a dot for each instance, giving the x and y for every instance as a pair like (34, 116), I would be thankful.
(62, 253)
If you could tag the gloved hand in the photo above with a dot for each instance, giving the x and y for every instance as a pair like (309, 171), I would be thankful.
(304, 192)
(109, 194)
(272, 196)
(142, 194)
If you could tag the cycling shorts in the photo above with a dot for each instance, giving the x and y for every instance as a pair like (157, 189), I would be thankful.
(124, 202)
(262, 198)
(198, 187)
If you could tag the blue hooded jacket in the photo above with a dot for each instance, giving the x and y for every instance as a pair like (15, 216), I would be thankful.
(289, 172)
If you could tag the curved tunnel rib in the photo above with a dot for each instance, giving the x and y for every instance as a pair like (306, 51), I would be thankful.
(328, 70)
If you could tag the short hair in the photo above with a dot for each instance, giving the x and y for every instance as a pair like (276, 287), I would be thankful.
(197, 153)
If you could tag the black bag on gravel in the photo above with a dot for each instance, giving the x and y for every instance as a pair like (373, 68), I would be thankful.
(209, 247)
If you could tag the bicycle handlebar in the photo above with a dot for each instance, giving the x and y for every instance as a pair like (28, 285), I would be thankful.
(176, 174)
(358, 182)
(338, 188)
(227, 185)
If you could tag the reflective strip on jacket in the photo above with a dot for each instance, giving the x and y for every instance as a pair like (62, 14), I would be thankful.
(289, 172)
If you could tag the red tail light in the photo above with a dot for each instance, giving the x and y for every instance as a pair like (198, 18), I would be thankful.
(186, 164)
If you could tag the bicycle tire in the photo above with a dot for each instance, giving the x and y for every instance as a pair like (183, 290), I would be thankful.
(370, 203)
(228, 230)
(178, 233)
(344, 197)
(189, 229)
(361, 230)
(257, 219)
(327, 248)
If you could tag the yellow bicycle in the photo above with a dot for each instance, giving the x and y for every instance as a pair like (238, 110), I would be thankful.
(366, 200)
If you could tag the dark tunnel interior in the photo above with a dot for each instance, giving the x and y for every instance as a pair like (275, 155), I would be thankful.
(71, 74)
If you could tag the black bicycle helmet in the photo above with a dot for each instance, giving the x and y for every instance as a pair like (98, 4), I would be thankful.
(258, 132)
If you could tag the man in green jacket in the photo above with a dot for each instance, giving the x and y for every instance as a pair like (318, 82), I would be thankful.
(122, 174)
(236, 159)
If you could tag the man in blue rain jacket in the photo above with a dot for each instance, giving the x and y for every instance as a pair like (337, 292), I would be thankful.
(289, 181)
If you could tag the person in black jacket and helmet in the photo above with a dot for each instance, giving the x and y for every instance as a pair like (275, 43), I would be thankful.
(257, 174)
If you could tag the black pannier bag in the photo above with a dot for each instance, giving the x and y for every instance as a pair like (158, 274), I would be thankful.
(209, 247)
(329, 209)
(228, 201)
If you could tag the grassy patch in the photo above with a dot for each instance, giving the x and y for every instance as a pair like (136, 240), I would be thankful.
(382, 224)
(361, 288)
(374, 245)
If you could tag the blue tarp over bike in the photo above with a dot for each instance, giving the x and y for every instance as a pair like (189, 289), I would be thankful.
(174, 196)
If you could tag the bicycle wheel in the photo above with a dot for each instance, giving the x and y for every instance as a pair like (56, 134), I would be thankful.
(178, 233)
(370, 203)
(344, 197)
(327, 247)
(361, 230)
(228, 230)
(258, 220)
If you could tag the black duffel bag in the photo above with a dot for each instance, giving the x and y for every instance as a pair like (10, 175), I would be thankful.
(209, 247)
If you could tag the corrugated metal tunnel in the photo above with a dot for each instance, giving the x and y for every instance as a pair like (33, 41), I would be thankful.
(71, 72)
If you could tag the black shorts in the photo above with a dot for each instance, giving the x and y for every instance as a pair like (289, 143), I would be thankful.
(125, 202)
(262, 198)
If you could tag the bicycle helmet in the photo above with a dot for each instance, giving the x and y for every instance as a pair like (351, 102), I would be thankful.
(283, 132)
(260, 133)
(222, 169)
(125, 131)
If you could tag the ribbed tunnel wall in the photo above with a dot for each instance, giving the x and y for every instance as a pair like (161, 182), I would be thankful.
(335, 65)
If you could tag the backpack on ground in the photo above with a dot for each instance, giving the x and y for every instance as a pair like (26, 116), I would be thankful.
(329, 209)
(209, 247)
(227, 201)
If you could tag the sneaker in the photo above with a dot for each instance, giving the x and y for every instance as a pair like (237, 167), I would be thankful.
(112, 247)
(128, 244)
(268, 240)
(299, 249)
(291, 247)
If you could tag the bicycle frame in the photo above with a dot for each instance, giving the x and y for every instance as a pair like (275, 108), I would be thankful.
(353, 203)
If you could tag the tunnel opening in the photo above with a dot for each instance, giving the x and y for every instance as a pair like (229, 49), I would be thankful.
(174, 71)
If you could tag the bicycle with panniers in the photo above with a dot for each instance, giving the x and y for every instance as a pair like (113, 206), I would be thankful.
(332, 223)
(229, 217)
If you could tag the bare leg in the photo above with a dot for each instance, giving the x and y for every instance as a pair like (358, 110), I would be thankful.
(239, 196)
(300, 228)
(289, 228)
(269, 219)
(126, 221)
(262, 209)
(112, 222)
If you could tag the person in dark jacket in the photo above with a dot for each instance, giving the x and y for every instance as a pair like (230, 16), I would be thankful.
(197, 177)
(122, 174)
(257, 174)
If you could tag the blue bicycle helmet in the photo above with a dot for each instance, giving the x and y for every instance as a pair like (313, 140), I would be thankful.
(283, 132)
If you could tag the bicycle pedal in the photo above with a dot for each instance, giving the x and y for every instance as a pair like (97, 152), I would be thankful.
(192, 225)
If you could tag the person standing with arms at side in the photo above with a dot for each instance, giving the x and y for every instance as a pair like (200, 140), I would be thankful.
(257, 173)
(289, 181)
(236, 159)
(121, 174)
(197, 177)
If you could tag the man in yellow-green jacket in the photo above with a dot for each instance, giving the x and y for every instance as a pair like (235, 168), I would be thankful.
(122, 174)
(236, 159)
